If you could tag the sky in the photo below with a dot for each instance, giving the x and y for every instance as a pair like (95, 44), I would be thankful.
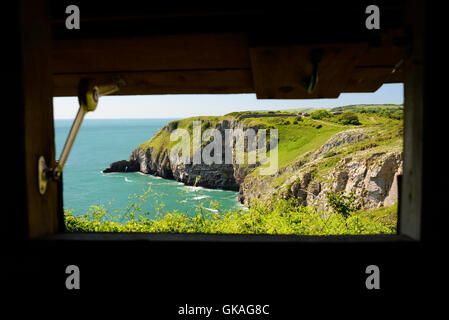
(183, 106)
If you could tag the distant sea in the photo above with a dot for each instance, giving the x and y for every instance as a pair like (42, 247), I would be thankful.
(101, 142)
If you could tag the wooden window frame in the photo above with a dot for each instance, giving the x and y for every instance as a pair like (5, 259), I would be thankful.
(44, 214)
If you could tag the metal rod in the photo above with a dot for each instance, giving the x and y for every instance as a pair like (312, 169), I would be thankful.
(88, 95)
(72, 135)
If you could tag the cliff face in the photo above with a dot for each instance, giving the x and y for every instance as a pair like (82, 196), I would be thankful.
(211, 176)
(372, 178)
(370, 173)
(367, 169)
(216, 176)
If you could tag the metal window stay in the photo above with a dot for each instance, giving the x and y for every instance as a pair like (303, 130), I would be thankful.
(88, 97)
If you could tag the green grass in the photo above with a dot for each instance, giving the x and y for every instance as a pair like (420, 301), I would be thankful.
(295, 140)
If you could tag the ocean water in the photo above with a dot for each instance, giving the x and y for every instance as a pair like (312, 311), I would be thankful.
(101, 142)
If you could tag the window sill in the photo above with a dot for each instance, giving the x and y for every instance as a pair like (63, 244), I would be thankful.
(222, 238)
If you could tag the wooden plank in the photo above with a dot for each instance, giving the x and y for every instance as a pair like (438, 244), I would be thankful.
(279, 72)
(169, 52)
(412, 187)
(376, 64)
(371, 79)
(38, 116)
(397, 76)
(141, 237)
(387, 53)
(164, 82)
(367, 79)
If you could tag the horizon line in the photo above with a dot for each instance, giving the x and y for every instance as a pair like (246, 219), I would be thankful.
(114, 118)
(183, 117)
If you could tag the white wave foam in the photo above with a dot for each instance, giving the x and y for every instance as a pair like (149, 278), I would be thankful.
(192, 188)
(113, 174)
(128, 180)
(200, 197)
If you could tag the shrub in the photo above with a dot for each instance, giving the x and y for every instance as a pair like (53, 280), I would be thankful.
(396, 115)
(349, 118)
(341, 203)
(320, 114)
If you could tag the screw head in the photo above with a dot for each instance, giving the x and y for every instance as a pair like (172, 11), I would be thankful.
(95, 94)
(42, 175)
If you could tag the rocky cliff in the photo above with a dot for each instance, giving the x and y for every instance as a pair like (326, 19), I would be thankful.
(370, 171)
(355, 159)
(157, 162)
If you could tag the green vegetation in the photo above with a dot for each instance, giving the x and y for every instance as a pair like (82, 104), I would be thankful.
(299, 139)
(349, 118)
(283, 217)
(342, 203)
(369, 107)
(242, 113)
(320, 114)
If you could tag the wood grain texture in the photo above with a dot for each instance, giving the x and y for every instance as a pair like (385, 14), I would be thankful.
(164, 82)
(415, 103)
(153, 53)
(279, 72)
(38, 115)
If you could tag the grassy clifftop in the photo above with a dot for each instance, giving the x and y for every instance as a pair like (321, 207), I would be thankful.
(298, 136)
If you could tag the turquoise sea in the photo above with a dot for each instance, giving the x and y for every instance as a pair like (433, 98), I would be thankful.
(101, 142)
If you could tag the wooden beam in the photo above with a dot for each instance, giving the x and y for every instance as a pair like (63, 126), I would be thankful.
(153, 53)
(367, 79)
(279, 72)
(164, 82)
(414, 96)
(388, 52)
(375, 66)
